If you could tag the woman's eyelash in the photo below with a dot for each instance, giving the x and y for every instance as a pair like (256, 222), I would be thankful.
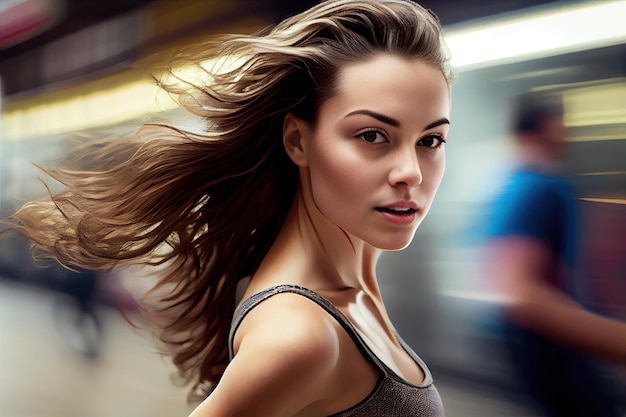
(374, 135)
(436, 137)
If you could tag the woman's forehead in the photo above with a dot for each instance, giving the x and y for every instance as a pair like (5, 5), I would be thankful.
(390, 83)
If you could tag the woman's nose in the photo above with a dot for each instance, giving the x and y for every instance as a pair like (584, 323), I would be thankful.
(405, 170)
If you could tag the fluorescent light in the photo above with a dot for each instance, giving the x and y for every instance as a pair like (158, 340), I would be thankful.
(546, 33)
(105, 107)
(605, 200)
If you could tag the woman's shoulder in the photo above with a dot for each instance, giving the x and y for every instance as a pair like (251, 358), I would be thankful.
(286, 318)
(286, 351)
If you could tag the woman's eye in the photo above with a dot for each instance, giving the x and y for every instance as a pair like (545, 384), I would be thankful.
(372, 136)
(432, 141)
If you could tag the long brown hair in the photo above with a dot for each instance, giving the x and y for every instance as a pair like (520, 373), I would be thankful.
(207, 206)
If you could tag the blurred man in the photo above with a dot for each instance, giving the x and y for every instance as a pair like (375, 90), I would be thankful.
(532, 251)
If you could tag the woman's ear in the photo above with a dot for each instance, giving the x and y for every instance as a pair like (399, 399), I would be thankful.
(295, 133)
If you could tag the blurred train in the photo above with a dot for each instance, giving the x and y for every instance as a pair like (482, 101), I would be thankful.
(439, 297)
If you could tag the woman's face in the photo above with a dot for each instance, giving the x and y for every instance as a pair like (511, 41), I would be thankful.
(376, 155)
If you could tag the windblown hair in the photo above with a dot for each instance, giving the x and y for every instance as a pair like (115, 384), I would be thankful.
(207, 207)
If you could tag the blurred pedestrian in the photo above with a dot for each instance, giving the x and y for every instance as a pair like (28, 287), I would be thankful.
(555, 343)
(76, 310)
(77, 292)
(324, 145)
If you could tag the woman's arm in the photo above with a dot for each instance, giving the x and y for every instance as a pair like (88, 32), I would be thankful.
(286, 356)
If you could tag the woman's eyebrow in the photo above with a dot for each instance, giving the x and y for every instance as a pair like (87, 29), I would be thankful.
(442, 121)
(393, 122)
(385, 119)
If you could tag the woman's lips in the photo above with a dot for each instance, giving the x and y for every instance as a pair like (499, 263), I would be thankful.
(398, 215)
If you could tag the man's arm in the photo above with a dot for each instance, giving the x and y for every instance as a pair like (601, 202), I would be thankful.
(519, 267)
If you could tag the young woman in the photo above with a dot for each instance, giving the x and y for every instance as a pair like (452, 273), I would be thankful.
(324, 145)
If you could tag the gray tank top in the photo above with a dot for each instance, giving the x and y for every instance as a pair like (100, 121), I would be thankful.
(392, 396)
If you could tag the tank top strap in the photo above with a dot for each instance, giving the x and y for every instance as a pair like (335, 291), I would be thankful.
(251, 302)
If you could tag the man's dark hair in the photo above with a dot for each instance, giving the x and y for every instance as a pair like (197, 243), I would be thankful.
(530, 109)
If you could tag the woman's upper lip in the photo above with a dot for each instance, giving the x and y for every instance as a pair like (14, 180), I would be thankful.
(403, 204)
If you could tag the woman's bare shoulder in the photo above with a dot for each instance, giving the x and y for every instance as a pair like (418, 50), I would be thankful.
(286, 354)
(289, 319)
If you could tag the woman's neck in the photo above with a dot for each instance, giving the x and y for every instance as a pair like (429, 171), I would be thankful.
(314, 252)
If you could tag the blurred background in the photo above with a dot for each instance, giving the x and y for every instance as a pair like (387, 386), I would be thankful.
(71, 66)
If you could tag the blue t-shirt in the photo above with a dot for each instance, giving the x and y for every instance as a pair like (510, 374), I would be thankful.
(542, 206)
